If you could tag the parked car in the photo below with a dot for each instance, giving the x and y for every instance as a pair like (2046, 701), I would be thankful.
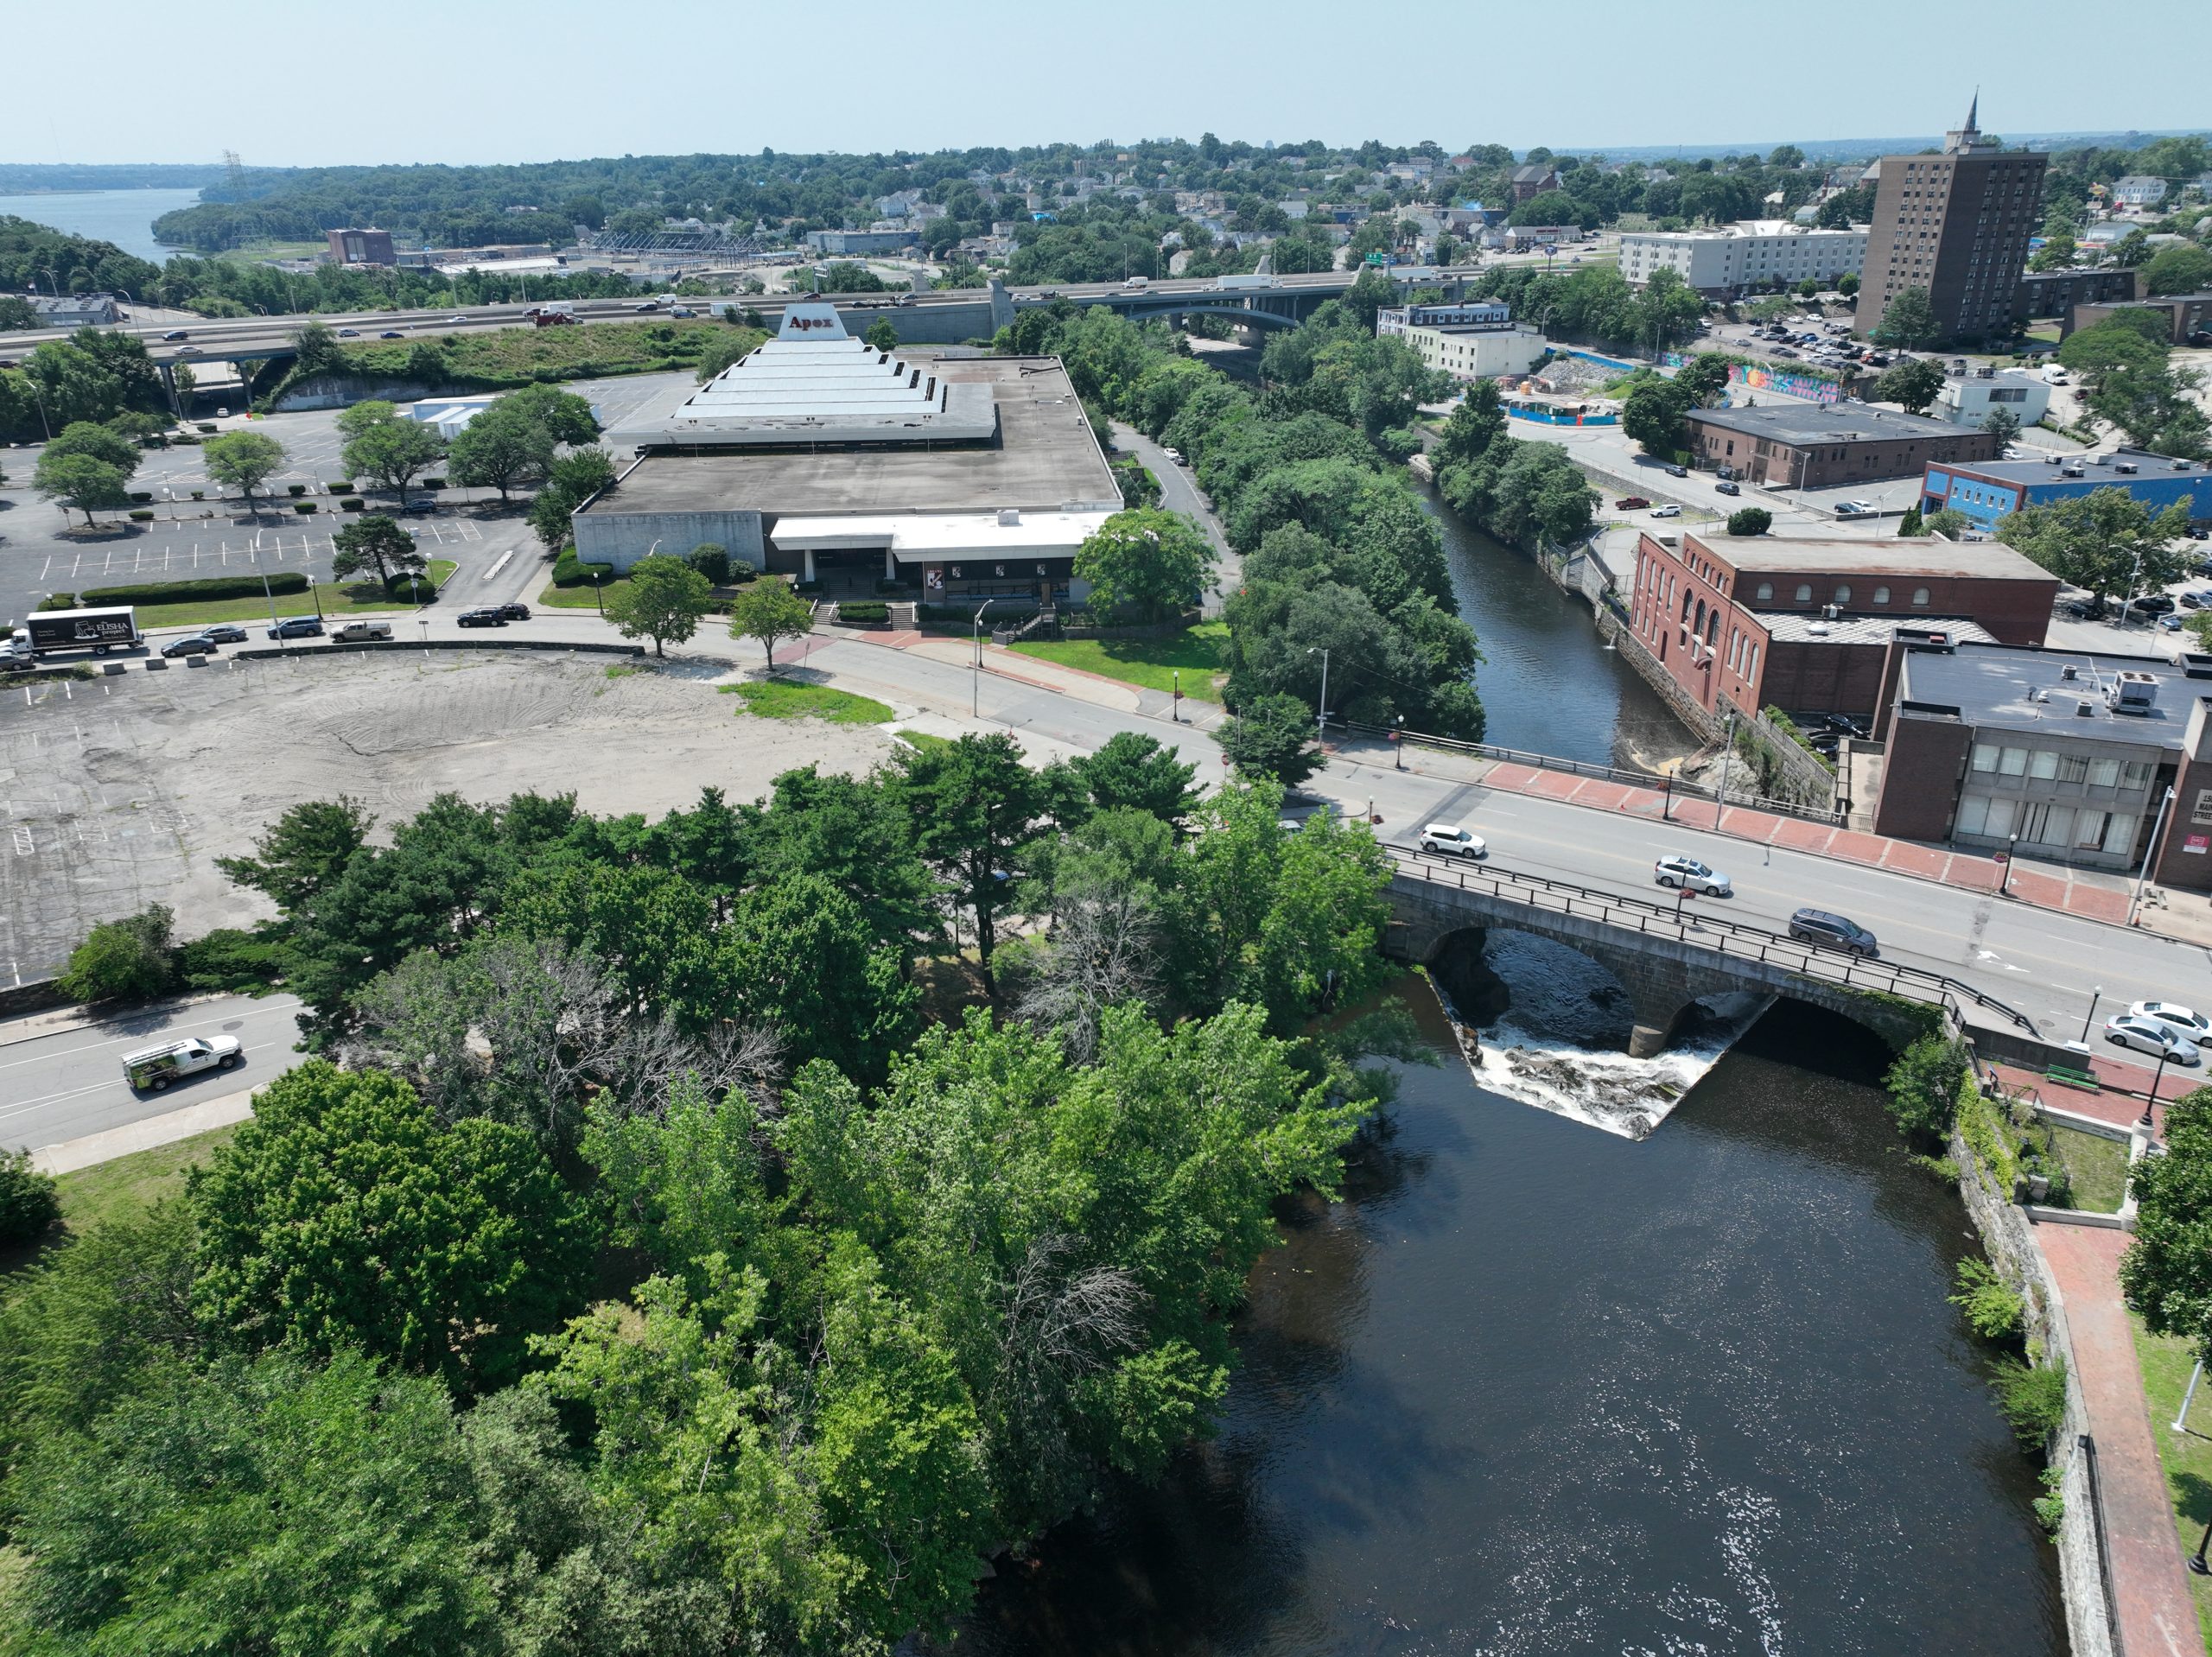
(486, 617)
(2189, 1025)
(1668, 511)
(1676, 869)
(1855, 509)
(516, 611)
(297, 627)
(198, 644)
(355, 632)
(1832, 931)
(2146, 1035)
(1449, 840)
(1630, 503)
(2151, 603)
(1844, 724)
(1678, 472)
(1724, 487)
(2172, 624)
(224, 633)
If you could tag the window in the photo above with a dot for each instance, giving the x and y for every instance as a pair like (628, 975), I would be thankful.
(1805, 593)
(2012, 762)
(2136, 773)
(1843, 595)
(2073, 767)
(2090, 829)
(2103, 773)
(1920, 596)
(2044, 765)
(2119, 834)
(1765, 594)
(1881, 595)
(1985, 756)
(1751, 673)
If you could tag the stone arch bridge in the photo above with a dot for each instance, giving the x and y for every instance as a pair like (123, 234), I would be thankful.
(1665, 959)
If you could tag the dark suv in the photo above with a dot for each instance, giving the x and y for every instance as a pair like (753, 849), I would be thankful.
(1832, 932)
(516, 611)
(296, 627)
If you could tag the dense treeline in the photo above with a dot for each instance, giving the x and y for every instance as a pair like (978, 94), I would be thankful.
(37, 259)
(649, 1279)
(97, 375)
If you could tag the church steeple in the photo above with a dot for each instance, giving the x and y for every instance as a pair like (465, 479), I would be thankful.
(1973, 110)
(1968, 139)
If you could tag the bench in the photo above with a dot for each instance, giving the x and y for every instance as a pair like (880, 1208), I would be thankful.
(2073, 1078)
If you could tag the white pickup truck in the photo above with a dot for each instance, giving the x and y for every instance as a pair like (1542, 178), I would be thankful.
(153, 1069)
(355, 631)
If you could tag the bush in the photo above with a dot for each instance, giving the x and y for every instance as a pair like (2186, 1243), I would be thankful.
(142, 517)
(303, 506)
(127, 959)
(199, 494)
(57, 601)
(569, 570)
(30, 1204)
(1923, 1086)
(2032, 1397)
(207, 428)
(228, 959)
(1992, 1310)
(343, 487)
(710, 561)
(433, 483)
(1749, 520)
(351, 503)
(863, 612)
(142, 496)
(207, 586)
(296, 490)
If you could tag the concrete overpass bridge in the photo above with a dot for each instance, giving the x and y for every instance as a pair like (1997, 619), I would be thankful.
(1670, 957)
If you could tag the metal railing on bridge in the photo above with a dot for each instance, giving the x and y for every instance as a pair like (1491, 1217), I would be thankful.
(1700, 928)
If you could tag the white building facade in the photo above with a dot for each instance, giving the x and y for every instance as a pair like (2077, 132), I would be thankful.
(1472, 341)
(1721, 263)
(1969, 399)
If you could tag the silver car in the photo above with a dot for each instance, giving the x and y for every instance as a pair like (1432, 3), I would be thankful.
(1676, 870)
(2189, 1026)
(2146, 1035)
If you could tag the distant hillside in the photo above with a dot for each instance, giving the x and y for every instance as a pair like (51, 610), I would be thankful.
(17, 178)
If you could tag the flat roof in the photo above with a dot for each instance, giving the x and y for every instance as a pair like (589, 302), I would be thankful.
(1892, 555)
(1824, 423)
(933, 536)
(1990, 685)
(1810, 627)
(2146, 465)
(1043, 457)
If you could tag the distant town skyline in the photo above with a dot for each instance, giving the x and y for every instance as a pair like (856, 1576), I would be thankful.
(569, 79)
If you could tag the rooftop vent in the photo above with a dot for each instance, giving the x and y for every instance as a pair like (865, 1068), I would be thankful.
(2124, 466)
(2085, 709)
(1009, 518)
(2134, 692)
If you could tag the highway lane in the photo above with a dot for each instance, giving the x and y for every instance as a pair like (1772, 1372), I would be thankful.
(67, 1083)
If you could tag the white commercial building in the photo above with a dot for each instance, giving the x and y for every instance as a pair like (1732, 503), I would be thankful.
(1721, 263)
(1969, 398)
(1473, 341)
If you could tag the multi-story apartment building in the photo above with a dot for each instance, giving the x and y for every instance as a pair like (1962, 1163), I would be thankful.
(1956, 225)
(1722, 263)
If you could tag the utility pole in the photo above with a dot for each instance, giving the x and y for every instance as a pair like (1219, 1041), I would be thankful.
(2150, 855)
(1727, 752)
(1321, 718)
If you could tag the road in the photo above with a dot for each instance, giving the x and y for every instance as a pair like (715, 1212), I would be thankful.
(64, 1085)
(1179, 493)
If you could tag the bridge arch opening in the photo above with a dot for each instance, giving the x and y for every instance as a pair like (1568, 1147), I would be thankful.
(1501, 976)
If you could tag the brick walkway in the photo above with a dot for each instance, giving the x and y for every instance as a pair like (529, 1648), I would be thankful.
(2120, 1104)
(2150, 1583)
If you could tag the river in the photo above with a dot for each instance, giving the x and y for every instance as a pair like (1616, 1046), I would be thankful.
(1535, 1389)
(123, 217)
(1547, 685)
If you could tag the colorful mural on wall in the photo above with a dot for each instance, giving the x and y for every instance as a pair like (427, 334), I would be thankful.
(1758, 377)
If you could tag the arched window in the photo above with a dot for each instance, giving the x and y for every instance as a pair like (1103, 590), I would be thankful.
(1765, 593)
(1919, 595)
(1712, 628)
(1843, 595)
(1805, 593)
(1686, 596)
(1881, 595)
(1699, 626)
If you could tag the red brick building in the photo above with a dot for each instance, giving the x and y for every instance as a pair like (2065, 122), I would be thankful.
(1804, 625)
(1792, 445)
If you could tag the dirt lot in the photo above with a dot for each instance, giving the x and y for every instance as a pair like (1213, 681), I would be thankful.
(119, 792)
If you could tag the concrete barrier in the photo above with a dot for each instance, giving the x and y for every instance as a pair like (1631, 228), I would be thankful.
(362, 646)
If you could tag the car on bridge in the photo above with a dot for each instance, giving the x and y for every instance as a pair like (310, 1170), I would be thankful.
(176, 333)
(2146, 1036)
(1449, 840)
(1678, 870)
(1833, 931)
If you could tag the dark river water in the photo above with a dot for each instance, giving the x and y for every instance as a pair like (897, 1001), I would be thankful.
(1547, 683)
(1533, 1388)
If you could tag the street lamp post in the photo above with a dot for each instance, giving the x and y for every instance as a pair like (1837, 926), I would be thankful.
(2096, 994)
(315, 592)
(2143, 1122)
(976, 662)
(1398, 740)
(1321, 716)
(598, 592)
(1175, 709)
(2197, 1563)
(2005, 876)
(2150, 855)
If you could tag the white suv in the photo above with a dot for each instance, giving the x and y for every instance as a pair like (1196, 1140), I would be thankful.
(1447, 840)
(1676, 870)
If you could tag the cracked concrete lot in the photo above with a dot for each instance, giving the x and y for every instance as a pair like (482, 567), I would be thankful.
(115, 793)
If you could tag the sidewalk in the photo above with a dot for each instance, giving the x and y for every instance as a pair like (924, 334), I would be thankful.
(2127, 1087)
(2149, 1584)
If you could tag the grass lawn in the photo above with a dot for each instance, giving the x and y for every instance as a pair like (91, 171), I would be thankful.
(579, 598)
(1150, 662)
(778, 699)
(2186, 1456)
(923, 741)
(359, 598)
(131, 1184)
(2097, 1165)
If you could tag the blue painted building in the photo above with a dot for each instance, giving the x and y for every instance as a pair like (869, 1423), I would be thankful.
(1989, 490)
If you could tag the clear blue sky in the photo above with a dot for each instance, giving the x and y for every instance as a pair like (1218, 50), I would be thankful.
(463, 81)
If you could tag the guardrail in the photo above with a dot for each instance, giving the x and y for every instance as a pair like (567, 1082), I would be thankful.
(1672, 788)
(2088, 1448)
(1702, 929)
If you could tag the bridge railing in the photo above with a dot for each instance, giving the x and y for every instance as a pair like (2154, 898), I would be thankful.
(1701, 928)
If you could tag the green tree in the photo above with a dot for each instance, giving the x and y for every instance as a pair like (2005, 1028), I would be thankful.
(243, 461)
(501, 450)
(1134, 772)
(317, 351)
(1912, 385)
(1668, 311)
(1950, 522)
(1652, 415)
(2002, 424)
(302, 854)
(574, 479)
(798, 958)
(562, 415)
(1272, 736)
(2056, 254)
(769, 611)
(1923, 1088)
(882, 335)
(1749, 520)
(975, 809)
(343, 1214)
(2105, 541)
(1705, 377)
(2130, 250)
(664, 600)
(79, 483)
(1147, 560)
(383, 445)
(376, 542)
(29, 1202)
(2182, 270)
(2166, 1273)
(124, 959)
(1908, 321)
(97, 441)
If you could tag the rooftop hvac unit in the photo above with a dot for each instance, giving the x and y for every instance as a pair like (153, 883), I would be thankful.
(1009, 518)
(2069, 671)
(2085, 709)
(1830, 612)
(2134, 692)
